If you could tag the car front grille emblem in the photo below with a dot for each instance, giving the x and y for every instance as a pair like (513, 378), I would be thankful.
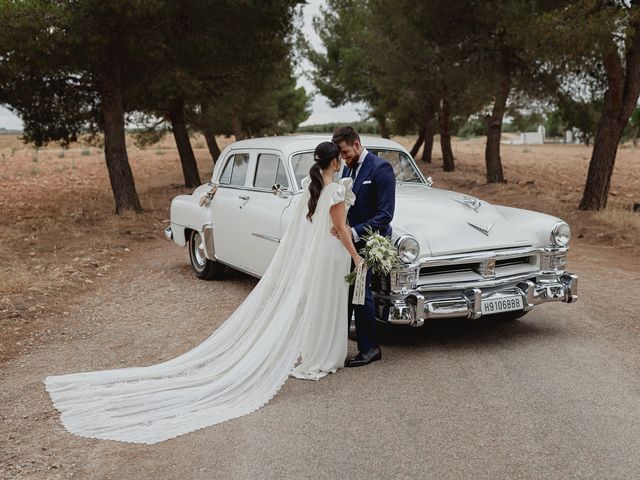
(488, 268)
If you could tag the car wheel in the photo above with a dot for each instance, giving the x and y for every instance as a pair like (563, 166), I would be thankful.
(204, 268)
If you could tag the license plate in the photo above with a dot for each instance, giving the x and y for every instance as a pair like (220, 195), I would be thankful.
(502, 304)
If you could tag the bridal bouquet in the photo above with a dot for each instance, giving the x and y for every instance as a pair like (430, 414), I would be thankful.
(379, 255)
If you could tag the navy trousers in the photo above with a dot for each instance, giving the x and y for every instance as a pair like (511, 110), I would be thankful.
(365, 316)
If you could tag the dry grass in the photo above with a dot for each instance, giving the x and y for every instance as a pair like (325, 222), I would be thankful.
(549, 178)
(58, 230)
(621, 223)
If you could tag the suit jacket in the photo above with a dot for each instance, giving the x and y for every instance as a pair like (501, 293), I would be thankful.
(375, 189)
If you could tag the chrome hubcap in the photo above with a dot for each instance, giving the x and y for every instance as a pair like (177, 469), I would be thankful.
(198, 250)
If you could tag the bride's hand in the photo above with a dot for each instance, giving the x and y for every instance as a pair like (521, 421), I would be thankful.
(357, 260)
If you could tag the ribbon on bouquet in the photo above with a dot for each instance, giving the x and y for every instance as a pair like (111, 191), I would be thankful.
(360, 285)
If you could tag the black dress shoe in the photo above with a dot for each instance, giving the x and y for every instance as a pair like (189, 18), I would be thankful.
(361, 359)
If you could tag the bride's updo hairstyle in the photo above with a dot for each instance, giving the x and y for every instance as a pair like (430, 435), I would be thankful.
(322, 156)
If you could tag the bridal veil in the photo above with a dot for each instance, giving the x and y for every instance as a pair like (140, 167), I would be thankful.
(293, 322)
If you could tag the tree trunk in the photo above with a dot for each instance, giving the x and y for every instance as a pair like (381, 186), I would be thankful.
(494, 129)
(181, 135)
(620, 99)
(444, 123)
(115, 146)
(209, 134)
(601, 165)
(236, 126)
(214, 149)
(419, 142)
(430, 131)
(382, 124)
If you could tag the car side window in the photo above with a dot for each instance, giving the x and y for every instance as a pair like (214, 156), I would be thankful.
(235, 171)
(301, 164)
(269, 171)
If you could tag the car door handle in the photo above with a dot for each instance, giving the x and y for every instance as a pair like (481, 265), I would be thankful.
(243, 197)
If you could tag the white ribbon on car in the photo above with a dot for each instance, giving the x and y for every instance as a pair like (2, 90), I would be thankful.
(359, 287)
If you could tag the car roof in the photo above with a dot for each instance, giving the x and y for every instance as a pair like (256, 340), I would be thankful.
(294, 143)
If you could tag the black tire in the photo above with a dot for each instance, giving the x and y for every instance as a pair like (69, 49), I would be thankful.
(383, 330)
(203, 267)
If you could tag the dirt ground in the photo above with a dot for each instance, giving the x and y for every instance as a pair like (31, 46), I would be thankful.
(64, 255)
(59, 235)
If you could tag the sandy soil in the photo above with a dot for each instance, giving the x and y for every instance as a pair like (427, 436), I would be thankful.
(552, 395)
(59, 234)
(75, 278)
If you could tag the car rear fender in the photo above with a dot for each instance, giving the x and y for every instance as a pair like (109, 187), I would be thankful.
(187, 214)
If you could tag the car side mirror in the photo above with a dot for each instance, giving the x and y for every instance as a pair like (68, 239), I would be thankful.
(280, 191)
(429, 181)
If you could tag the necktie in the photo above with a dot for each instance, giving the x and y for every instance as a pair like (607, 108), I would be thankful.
(353, 172)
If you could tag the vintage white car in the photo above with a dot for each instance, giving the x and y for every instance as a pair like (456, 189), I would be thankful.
(461, 256)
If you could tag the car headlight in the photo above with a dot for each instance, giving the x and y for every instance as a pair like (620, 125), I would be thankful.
(408, 248)
(560, 234)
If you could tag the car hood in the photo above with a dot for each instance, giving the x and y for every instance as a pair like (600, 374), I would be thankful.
(441, 222)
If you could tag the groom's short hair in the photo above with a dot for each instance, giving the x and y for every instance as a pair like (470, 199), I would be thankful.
(345, 134)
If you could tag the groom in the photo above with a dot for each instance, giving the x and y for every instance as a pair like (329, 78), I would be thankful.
(374, 184)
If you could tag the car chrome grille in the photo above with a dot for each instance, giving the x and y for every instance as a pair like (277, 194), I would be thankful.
(464, 267)
(492, 265)
(512, 261)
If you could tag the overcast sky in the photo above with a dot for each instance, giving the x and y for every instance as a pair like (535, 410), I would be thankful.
(322, 112)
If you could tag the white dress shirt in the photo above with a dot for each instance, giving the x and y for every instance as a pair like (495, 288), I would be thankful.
(363, 154)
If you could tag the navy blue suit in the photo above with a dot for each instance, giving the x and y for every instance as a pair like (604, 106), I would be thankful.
(375, 189)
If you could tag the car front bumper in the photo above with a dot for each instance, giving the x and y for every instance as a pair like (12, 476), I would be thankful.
(416, 306)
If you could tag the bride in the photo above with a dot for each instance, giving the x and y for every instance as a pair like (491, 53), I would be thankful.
(292, 323)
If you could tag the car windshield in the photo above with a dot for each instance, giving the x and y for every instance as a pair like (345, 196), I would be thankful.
(403, 166)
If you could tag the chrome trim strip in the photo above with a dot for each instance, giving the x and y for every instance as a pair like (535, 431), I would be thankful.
(266, 237)
(422, 288)
(480, 256)
(233, 187)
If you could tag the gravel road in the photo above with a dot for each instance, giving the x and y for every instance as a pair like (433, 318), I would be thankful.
(555, 394)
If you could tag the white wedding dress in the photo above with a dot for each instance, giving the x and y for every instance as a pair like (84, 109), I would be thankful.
(293, 322)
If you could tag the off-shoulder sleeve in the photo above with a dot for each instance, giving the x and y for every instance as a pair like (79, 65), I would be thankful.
(343, 192)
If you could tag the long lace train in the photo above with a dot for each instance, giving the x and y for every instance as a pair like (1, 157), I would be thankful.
(284, 321)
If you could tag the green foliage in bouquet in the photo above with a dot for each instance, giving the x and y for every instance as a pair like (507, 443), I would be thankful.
(379, 254)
